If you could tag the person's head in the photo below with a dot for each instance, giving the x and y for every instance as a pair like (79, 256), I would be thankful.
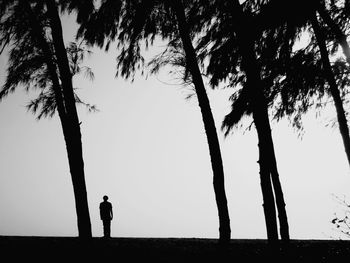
(105, 198)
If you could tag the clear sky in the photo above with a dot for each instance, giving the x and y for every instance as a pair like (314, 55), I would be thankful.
(146, 149)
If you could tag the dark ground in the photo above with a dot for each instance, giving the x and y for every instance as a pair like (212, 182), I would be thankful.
(52, 249)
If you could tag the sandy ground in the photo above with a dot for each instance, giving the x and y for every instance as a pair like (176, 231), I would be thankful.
(67, 249)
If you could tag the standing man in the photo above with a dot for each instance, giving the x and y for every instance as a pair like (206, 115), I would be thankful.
(106, 215)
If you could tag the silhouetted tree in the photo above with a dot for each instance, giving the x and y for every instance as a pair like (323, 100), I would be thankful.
(308, 74)
(229, 45)
(254, 86)
(38, 59)
(208, 120)
(141, 22)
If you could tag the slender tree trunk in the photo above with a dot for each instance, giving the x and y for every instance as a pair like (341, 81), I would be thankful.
(267, 153)
(266, 187)
(343, 125)
(277, 187)
(84, 231)
(71, 127)
(209, 124)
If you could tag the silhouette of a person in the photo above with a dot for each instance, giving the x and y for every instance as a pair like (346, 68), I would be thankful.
(106, 215)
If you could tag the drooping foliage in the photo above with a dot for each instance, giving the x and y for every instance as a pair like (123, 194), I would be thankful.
(293, 77)
(27, 63)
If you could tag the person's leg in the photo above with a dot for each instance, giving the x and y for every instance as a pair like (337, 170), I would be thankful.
(108, 228)
(105, 228)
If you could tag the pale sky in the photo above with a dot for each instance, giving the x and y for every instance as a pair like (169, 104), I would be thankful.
(146, 149)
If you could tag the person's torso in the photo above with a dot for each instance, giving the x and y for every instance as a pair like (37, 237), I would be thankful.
(105, 210)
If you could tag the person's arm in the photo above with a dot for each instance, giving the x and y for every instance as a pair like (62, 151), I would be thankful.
(100, 212)
(111, 212)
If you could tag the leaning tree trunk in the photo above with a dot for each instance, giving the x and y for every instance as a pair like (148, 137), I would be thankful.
(277, 187)
(260, 116)
(209, 124)
(71, 126)
(343, 125)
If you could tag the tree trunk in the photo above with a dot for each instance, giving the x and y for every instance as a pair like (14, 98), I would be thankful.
(261, 121)
(343, 125)
(268, 158)
(277, 187)
(71, 126)
(209, 124)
